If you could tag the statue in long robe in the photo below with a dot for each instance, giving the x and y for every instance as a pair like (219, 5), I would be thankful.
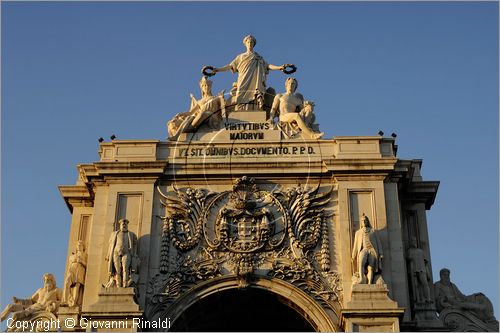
(252, 72)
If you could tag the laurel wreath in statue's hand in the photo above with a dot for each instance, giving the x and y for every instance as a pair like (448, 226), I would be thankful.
(205, 70)
(292, 69)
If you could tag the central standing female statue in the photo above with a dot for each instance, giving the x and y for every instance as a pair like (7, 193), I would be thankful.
(252, 72)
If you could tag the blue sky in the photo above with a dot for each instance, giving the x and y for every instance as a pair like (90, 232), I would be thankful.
(74, 72)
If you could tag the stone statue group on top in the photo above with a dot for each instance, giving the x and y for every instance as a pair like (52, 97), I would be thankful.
(249, 93)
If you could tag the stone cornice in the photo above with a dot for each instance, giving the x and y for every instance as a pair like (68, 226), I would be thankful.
(421, 192)
(88, 172)
(76, 196)
(411, 185)
(104, 173)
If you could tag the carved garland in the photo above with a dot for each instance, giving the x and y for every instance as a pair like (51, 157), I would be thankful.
(325, 249)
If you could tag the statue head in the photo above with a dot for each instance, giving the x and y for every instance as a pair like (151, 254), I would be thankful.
(365, 222)
(444, 274)
(291, 84)
(80, 246)
(49, 281)
(123, 223)
(251, 39)
(206, 86)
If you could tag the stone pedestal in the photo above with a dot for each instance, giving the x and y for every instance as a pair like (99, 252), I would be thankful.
(426, 318)
(241, 126)
(371, 310)
(115, 310)
(69, 316)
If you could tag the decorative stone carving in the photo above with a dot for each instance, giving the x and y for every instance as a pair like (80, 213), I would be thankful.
(165, 246)
(368, 252)
(75, 276)
(325, 249)
(252, 72)
(458, 320)
(209, 108)
(185, 219)
(326, 287)
(475, 306)
(305, 208)
(123, 261)
(246, 231)
(243, 222)
(295, 115)
(42, 305)
(163, 289)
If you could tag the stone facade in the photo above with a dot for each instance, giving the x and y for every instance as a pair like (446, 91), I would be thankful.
(247, 213)
(276, 214)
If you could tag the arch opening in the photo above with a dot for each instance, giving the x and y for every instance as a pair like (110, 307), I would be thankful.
(251, 309)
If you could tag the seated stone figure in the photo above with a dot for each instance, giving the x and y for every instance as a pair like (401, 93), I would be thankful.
(45, 299)
(205, 108)
(447, 295)
(295, 115)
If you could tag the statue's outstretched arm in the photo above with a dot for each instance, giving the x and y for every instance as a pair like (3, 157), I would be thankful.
(222, 69)
(277, 68)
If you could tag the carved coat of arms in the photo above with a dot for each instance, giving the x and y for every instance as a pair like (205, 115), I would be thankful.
(242, 231)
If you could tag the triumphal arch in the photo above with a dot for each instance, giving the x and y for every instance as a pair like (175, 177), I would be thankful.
(247, 218)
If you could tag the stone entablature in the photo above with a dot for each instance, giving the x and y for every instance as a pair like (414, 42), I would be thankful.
(335, 148)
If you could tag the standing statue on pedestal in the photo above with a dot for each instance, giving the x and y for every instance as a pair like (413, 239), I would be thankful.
(75, 277)
(252, 72)
(45, 299)
(122, 256)
(368, 251)
(448, 295)
(294, 114)
(420, 275)
(208, 107)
